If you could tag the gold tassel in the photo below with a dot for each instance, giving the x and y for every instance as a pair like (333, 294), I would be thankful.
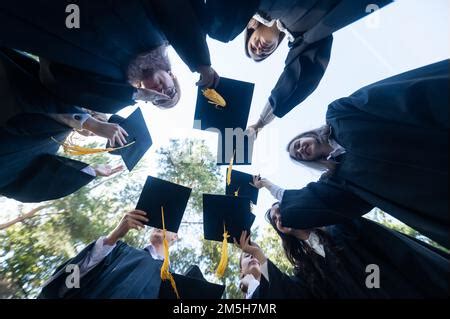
(165, 273)
(214, 97)
(230, 168)
(236, 193)
(72, 149)
(224, 255)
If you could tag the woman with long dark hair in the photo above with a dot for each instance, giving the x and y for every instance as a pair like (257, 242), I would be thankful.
(387, 144)
(355, 259)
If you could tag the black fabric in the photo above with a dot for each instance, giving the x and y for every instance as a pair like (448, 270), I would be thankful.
(224, 212)
(407, 268)
(395, 133)
(21, 91)
(173, 198)
(312, 24)
(87, 66)
(241, 184)
(138, 134)
(227, 19)
(31, 172)
(126, 273)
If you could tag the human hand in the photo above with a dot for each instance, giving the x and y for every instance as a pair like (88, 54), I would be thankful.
(208, 77)
(112, 131)
(131, 220)
(106, 170)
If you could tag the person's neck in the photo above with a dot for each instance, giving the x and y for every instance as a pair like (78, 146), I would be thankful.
(325, 150)
(159, 248)
(302, 234)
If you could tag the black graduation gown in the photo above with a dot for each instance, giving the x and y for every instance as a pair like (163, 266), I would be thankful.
(30, 170)
(87, 66)
(21, 91)
(311, 23)
(126, 273)
(407, 268)
(395, 133)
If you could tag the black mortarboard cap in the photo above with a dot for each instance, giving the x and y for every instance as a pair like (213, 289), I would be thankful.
(138, 132)
(191, 285)
(234, 211)
(238, 97)
(172, 197)
(241, 183)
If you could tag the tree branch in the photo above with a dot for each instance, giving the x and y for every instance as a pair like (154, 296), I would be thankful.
(23, 217)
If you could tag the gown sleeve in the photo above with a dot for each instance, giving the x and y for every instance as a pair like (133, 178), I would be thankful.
(81, 88)
(48, 177)
(180, 21)
(301, 75)
(320, 204)
(280, 286)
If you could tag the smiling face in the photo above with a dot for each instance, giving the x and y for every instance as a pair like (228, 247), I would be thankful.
(160, 81)
(250, 265)
(263, 41)
(275, 217)
(305, 149)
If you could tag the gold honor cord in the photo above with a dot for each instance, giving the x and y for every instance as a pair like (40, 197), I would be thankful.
(224, 254)
(214, 97)
(165, 273)
(71, 149)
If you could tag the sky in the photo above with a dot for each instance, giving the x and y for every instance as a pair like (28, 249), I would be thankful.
(402, 36)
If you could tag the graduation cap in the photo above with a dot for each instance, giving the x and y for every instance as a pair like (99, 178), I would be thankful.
(225, 217)
(238, 98)
(158, 195)
(226, 111)
(191, 285)
(164, 202)
(138, 139)
(240, 184)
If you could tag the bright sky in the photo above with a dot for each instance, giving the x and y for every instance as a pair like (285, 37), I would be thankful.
(406, 34)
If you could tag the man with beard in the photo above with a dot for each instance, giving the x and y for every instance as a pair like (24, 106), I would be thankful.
(119, 53)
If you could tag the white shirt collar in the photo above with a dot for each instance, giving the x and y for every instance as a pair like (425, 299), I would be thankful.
(337, 149)
(314, 242)
(269, 23)
(153, 252)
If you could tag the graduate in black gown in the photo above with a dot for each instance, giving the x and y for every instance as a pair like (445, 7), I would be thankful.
(307, 25)
(387, 144)
(30, 170)
(355, 259)
(117, 55)
(111, 269)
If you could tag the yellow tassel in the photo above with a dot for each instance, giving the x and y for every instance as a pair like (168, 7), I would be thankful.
(236, 193)
(72, 149)
(214, 97)
(230, 168)
(224, 255)
(165, 273)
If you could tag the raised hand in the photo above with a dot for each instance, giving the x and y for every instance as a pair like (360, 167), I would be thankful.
(208, 77)
(112, 131)
(106, 170)
(131, 220)
(247, 247)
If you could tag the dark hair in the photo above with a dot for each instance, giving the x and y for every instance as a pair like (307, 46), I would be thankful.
(248, 33)
(321, 135)
(306, 262)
